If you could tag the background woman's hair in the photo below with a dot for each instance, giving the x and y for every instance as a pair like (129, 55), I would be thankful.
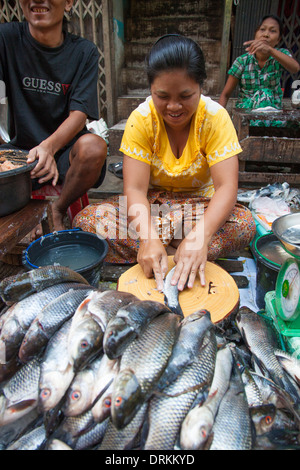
(174, 51)
(274, 17)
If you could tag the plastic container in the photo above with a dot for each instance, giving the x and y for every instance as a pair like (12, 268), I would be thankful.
(81, 251)
(269, 255)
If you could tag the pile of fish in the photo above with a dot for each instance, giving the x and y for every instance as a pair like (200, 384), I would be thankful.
(84, 368)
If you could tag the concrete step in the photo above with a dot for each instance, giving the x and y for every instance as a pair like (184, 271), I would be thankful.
(144, 8)
(115, 134)
(111, 185)
(155, 27)
(127, 103)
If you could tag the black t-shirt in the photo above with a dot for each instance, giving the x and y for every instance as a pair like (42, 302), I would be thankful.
(44, 84)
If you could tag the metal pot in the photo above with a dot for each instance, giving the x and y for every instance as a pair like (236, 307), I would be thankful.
(287, 230)
(15, 185)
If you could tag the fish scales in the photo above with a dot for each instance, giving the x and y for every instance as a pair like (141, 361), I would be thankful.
(30, 441)
(123, 439)
(23, 314)
(232, 429)
(141, 366)
(167, 411)
(198, 423)
(148, 354)
(15, 288)
(262, 343)
(48, 321)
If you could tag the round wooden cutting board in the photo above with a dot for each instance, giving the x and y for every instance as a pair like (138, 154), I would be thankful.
(220, 296)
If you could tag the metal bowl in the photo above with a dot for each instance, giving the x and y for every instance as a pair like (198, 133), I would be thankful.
(15, 185)
(287, 230)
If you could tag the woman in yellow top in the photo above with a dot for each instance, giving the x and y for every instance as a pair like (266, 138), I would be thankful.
(180, 173)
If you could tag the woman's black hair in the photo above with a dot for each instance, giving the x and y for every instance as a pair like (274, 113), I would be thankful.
(174, 51)
(274, 17)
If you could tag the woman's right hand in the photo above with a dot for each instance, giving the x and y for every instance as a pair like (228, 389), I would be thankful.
(153, 259)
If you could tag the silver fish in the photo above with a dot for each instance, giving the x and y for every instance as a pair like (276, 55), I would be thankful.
(171, 294)
(56, 371)
(23, 314)
(15, 288)
(262, 342)
(198, 423)
(49, 320)
(106, 375)
(191, 336)
(142, 365)
(126, 438)
(291, 364)
(19, 396)
(168, 409)
(128, 323)
(30, 441)
(80, 393)
(232, 429)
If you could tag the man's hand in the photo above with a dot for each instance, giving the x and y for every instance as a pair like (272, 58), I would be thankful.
(46, 168)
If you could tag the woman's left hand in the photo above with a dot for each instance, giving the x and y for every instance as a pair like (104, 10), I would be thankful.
(190, 260)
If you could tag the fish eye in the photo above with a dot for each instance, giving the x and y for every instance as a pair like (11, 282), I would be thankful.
(84, 344)
(76, 395)
(107, 403)
(118, 401)
(203, 433)
(268, 419)
(45, 393)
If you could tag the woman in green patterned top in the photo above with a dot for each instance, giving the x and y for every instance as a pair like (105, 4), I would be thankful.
(258, 72)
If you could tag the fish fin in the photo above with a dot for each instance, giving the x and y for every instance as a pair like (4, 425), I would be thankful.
(22, 405)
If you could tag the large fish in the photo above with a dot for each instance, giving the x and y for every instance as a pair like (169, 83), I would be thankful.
(22, 314)
(56, 371)
(128, 323)
(168, 409)
(15, 288)
(199, 421)
(233, 428)
(262, 343)
(19, 396)
(89, 323)
(142, 365)
(49, 320)
(191, 336)
(103, 306)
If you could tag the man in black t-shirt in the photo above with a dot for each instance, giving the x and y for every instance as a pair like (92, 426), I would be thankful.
(51, 86)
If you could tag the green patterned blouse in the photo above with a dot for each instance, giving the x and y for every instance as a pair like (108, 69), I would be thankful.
(259, 87)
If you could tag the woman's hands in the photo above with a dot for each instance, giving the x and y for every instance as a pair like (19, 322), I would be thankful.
(153, 259)
(190, 259)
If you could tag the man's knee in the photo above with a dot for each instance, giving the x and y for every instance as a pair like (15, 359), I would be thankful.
(90, 149)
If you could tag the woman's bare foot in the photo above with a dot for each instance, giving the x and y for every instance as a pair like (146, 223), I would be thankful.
(57, 218)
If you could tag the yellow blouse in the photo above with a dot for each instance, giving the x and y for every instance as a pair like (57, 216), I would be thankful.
(212, 139)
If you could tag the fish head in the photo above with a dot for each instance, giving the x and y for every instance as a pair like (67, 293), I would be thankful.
(85, 343)
(22, 284)
(102, 408)
(196, 428)
(52, 387)
(263, 418)
(116, 337)
(127, 398)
